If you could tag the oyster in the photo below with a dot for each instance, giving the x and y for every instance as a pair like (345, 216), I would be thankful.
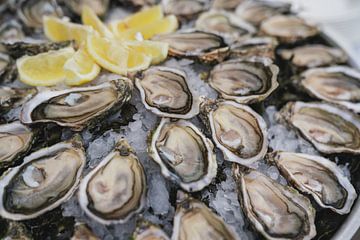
(258, 46)
(255, 12)
(337, 84)
(317, 176)
(15, 140)
(11, 98)
(245, 80)
(43, 181)
(148, 231)
(288, 29)
(314, 55)
(10, 32)
(225, 24)
(115, 189)
(206, 47)
(276, 211)
(99, 6)
(4, 63)
(12, 230)
(226, 4)
(195, 221)
(239, 132)
(165, 92)
(31, 12)
(75, 107)
(184, 154)
(329, 128)
(185, 8)
(83, 232)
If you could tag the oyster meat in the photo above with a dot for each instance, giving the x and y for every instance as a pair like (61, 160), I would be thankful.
(317, 176)
(10, 32)
(148, 231)
(75, 107)
(329, 128)
(11, 98)
(165, 92)
(337, 84)
(226, 4)
(195, 221)
(245, 80)
(15, 140)
(238, 131)
(276, 211)
(206, 47)
(115, 189)
(99, 6)
(43, 181)
(186, 9)
(257, 46)
(288, 29)
(184, 154)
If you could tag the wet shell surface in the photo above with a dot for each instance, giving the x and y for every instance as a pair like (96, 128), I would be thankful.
(148, 231)
(187, 9)
(257, 46)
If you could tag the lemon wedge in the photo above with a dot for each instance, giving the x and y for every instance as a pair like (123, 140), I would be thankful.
(89, 17)
(57, 30)
(80, 68)
(44, 69)
(156, 50)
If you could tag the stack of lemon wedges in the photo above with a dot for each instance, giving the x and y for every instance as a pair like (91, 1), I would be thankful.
(121, 47)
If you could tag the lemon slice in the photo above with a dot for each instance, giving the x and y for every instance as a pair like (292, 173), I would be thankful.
(89, 17)
(44, 69)
(80, 68)
(57, 30)
(156, 50)
(138, 61)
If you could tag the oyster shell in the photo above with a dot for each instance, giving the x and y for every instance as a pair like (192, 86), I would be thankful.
(255, 12)
(165, 92)
(245, 80)
(43, 181)
(206, 47)
(238, 131)
(148, 231)
(276, 211)
(83, 232)
(115, 189)
(4, 63)
(75, 107)
(257, 46)
(329, 128)
(11, 98)
(15, 140)
(195, 221)
(99, 6)
(31, 12)
(315, 55)
(184, 154)
(186, 9)
(226, 4)
(288, 29)
(317, 176)
(10, 32)
(337, 84)
(225, 24)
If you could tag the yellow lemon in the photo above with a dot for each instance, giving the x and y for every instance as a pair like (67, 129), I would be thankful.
(89, 17)
(156, 50)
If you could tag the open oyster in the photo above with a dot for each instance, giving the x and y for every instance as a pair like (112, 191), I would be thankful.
(148, 231)
(206, 47)
(318, 177)
(46, 178)
(329, 128)
(83, 232)
(15, 140)
(165, 92)
(237, 130)
(337, 84)
(225, 24)
(184, 154)
(195, 221)
(257, 46)
(255, 12)
(245, 80)
(288, 28)
(185, 8)
(11, 98)
(314, 55)
(99, 6)
(75, 107)
(276, 211)
(115, 189)
(10, 32)
(31, 12)
(226, 4)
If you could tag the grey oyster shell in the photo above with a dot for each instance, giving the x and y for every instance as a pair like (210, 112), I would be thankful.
(99, 6)
(226, 4)
(257, 46)
(83, 232)
(11, 98)
(186, 9)
(148, 231)
(10, 32)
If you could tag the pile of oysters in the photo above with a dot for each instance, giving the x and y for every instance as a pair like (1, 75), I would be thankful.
(253, 54)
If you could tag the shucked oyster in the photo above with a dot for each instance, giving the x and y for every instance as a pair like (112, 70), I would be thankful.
(148, 231)
(47, 178)
(288, 28)
(195, 221)
(99, 6)
(14, 97)
(184, 154)
(245, 80)
(115, 190)
(315, 55)
(11, 31)
(226, 4)
(75, 107)
(258, 46)
(337, 84)
(225, 24)
(329, 128)
(15, 139)
(317, 176)
(185, 8)
(276, 211)
(237, 130)
(206, 47)
(165, 92)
